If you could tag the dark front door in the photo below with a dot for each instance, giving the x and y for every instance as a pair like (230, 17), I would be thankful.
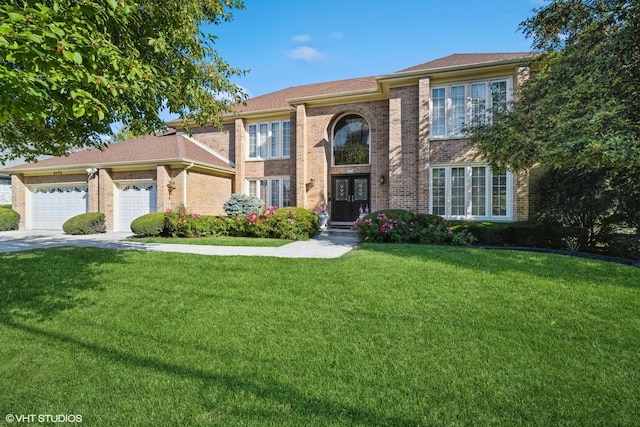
(350, 197)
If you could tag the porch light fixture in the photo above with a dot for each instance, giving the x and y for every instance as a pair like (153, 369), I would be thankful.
(382, 179)
(91, 172)
(310, 184)
(171, 185)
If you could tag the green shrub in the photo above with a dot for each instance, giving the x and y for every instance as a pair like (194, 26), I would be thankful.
(528, 234)
(9, 219)
(149, 225)
(293, 223)
(86, 223)
(214, 225)
(242, 204)
(400, 226)
(624, 246)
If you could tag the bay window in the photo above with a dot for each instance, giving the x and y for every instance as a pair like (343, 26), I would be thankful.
(456, 106)
(269, 140)
(470, 192)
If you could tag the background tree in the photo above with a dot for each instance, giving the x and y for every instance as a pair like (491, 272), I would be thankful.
(69, 69)
(578, 114)
(580, 107)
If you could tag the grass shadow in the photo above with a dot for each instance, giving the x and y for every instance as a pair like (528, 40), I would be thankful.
(39, 284)
(269, 389)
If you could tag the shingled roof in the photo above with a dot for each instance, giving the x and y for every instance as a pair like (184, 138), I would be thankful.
(278, 99)
(467, 59)
(149, 149)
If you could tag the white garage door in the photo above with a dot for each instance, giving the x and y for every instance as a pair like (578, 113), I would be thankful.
(135, 200)
(52, 206)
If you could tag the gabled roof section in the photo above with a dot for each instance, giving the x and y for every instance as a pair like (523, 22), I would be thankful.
(149, 149)
(279, 100)
(468, 59)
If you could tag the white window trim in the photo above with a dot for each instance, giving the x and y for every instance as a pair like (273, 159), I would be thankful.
(268, 180)
(468, 182)
(267, 141)
(448, 104)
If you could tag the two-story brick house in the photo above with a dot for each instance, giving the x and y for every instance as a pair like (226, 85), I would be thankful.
(392, 141)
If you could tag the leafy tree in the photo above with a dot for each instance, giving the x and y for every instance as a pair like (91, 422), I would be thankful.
(583, 200)
(71, 68)
(580, 106)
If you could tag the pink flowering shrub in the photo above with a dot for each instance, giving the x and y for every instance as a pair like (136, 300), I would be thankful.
(183, 223)
(400, 226)
(284, 223)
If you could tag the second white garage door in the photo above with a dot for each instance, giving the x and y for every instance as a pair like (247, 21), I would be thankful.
(135, 200)
(52, 206)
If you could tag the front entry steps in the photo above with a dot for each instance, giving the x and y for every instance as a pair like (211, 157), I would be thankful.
(339, 231)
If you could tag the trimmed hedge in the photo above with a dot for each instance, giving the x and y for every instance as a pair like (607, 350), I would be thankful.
(86, 223)
(149, 225)
(528, 234)
(548, 236)
(9, 219)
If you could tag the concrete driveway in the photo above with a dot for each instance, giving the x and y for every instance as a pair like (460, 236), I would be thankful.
(323, 246)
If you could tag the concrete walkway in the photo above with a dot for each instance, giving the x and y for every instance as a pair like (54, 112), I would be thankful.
(323, 246)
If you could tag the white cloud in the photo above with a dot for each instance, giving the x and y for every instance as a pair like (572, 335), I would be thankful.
(302, 38)
(335, 35)
(307, 53)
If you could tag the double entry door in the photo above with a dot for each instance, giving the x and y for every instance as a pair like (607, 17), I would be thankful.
(350, 197)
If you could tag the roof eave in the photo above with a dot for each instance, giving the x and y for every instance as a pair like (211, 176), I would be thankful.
(346, 97)
(452, 69)
(69, 169)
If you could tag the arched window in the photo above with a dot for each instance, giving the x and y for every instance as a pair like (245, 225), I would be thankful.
(351, 141)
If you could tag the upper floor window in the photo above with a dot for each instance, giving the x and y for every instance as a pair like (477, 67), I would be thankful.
(269, 140)
(456, 106)
(351, 141)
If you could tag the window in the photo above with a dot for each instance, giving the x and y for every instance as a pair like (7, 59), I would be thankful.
(470, 192)
(269, 140)
(351, 141)
(273, 191)
(456, 106)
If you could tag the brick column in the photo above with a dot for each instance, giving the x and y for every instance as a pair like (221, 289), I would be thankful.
(301, 156)
(19, 199)
(163, 177)
(424, 118)
(395, 151)
(106, 195)
(240, 157)
(93, 193)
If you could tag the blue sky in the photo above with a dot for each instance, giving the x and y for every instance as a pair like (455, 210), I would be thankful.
(295, 42)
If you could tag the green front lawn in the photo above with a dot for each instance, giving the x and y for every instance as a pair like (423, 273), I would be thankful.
(387, 335)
